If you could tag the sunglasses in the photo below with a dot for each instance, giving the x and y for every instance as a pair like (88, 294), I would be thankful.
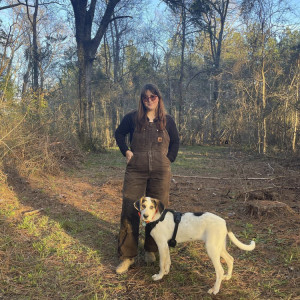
(152, 98)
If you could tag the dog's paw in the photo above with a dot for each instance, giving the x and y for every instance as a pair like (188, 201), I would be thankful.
(226, 277)
(212, 291)
(156, 277)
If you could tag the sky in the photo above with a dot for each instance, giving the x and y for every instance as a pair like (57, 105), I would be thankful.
(155, 9)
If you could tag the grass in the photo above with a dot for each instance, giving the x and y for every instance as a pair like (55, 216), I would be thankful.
(46, 258)
(194, 159)
(68, 250)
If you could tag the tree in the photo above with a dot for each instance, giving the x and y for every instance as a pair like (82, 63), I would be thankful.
(210, 16)
(40, 29)
(263, 14)
(10, 42)
(183, 16)
(289, 51)
(179, 7)
(35, 51)
(87, 46)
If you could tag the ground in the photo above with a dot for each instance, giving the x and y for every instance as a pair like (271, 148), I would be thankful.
(59, 232)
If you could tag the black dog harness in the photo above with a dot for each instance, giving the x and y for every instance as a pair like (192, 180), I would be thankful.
(177, 218)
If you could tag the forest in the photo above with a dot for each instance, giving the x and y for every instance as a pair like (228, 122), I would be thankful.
(229, 73)
(70, 70)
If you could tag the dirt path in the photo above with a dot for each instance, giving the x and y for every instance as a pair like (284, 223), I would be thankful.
(86, 202)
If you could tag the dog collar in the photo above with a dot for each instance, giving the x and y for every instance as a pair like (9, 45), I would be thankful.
(151, 225)
(144, 223)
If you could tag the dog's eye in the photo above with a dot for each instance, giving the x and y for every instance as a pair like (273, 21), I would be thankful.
(143, 206)
(151, 207)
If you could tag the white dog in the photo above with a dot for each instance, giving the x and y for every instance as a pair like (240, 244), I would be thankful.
(169, 227)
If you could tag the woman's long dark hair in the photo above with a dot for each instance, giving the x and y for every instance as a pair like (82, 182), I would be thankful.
(141, 120)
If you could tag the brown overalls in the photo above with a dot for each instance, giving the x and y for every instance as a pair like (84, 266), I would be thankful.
(147, 173)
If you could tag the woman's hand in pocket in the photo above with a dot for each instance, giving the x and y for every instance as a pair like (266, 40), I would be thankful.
(129, 155)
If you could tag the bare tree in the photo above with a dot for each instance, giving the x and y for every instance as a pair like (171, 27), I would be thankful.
(180, 7)
(183, 14)
(35, 51)
(263, 16)
(210, 16)
(296, 82)
(10, 41)
(87, 46)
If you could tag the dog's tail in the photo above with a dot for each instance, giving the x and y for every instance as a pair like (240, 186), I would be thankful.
(240, 244)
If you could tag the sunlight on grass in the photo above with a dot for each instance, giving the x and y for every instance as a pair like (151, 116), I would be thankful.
(48, 246)
(34, 225)
(9, 203)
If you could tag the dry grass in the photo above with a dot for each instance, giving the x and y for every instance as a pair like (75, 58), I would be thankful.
(66, 248)
(32, 143)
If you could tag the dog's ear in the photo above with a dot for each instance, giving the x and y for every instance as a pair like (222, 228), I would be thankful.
(160, 205)
(137, 205)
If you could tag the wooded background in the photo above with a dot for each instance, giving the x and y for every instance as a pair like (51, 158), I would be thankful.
(70, 70)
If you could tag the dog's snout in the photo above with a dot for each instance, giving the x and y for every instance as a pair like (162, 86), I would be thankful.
(145, 216)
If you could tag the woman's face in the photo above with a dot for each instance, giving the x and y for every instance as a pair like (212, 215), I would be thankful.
(150, 101)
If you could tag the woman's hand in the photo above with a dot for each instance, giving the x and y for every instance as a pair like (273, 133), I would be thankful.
(129, 155)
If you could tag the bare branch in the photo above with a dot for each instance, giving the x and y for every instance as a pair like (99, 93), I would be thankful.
(10, 6)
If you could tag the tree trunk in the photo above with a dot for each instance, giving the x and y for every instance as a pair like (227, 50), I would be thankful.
(116, 50)
(86, 51)
(296, 122)
(85, 130)
(181, 78)
(169, 89)
(82, 94)
(35, 57)
(35, 52)
(264, 105)
(107, 57)
(216, 42)
(214, 115)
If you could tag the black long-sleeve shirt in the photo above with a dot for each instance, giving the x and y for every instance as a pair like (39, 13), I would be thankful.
(127, 126)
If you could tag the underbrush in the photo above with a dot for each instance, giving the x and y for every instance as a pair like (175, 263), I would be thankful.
(29, 145)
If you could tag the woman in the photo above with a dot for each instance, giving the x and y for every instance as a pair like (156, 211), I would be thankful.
(154, 144)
